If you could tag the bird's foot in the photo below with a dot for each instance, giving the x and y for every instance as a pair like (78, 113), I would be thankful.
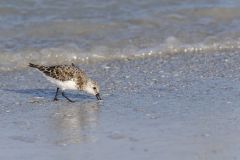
(70, 100)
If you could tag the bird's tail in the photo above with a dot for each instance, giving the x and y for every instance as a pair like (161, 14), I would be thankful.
(34, 65)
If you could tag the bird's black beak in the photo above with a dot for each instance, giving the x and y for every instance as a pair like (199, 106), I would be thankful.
(98, 96)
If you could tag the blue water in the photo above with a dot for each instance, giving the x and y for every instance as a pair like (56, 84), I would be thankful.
(60, 31)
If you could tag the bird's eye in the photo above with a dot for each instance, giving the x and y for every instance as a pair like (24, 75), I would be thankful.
(94, 88)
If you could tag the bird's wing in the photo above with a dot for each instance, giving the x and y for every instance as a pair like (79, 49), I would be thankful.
(63, 72)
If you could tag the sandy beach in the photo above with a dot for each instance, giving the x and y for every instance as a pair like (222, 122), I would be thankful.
(168, 70)
(184, 106)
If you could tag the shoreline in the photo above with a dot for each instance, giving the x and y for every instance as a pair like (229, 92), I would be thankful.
(182, 107)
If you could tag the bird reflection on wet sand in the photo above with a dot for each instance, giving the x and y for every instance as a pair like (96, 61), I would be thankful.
(74, 123)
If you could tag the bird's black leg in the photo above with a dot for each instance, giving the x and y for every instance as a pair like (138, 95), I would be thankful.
(55, 98)
(66, 97)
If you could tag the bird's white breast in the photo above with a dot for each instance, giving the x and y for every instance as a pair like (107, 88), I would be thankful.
(70, 84)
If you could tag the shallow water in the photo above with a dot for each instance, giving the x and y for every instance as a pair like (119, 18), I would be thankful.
(168, 71)
(60, 31)
(180, 107)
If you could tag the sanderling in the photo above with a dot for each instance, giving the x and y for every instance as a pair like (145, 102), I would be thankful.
(68, 77)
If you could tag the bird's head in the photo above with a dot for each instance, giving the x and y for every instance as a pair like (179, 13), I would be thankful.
(92, 88)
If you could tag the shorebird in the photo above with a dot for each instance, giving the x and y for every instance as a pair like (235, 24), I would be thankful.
(68, 77)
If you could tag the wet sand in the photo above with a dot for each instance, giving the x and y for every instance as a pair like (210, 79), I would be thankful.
(184, 106)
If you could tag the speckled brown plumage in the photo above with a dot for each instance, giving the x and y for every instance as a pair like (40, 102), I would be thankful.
(68, 77)
(63, 73)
